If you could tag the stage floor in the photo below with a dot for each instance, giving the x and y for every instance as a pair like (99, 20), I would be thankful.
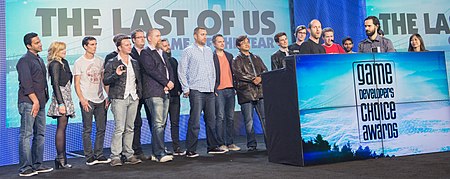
(243, 164)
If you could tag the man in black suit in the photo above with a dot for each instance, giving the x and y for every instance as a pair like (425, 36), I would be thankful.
(138, 39)
(157, 80)
(174, 105)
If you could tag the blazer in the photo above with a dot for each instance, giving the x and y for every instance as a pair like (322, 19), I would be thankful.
(217, 66)
(154, 76)
(134, 54)
(176, 91)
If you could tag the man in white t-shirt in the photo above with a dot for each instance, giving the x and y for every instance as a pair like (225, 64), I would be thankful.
(88, 75)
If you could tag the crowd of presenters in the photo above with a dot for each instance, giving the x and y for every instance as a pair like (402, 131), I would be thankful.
(135, 76)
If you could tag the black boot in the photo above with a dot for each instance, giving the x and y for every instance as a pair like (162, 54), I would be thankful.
(65, 162)
(61, 162)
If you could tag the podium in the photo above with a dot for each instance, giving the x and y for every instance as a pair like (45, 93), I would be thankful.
(331, 108)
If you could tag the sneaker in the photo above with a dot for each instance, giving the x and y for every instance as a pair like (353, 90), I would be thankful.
(102, 160)
(153, 158)
(133, 160)
(28, 173)
(179, 152)
(233, 147)
(44, 169)
(224, 147)
(251, 149)
(166, 158)
(116, 162)
(191, 154)
(90, 161)
(216, 150)
(167, 151)
(141, 156)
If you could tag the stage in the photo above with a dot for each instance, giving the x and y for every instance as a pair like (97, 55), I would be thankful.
(243, 164)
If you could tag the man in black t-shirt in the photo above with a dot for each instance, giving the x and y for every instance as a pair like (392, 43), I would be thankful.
(312, 45)
(300, 34)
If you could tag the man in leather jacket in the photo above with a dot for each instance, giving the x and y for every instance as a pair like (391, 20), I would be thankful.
(247, 69)
(122, 74)
(277, 58)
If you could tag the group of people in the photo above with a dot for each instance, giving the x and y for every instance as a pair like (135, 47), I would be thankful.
(135, 75)
(375, 42)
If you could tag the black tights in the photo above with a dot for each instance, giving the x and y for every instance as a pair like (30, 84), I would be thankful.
(60, 138)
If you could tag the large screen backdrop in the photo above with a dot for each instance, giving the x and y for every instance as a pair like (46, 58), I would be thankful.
(360, 106)
(345, 17)
(399, 20)
(70, 21)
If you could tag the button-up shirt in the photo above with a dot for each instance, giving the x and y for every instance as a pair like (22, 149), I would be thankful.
(130, 87)
(385, 45)
(32, 79)
(196, 69)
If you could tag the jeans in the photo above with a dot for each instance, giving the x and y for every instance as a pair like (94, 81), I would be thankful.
(99, 112)
(201, 102)
(124, 111)
(247, 112)
(31, 157)
(174, 114)
(137, 127)
(159, 107)
(225, 101)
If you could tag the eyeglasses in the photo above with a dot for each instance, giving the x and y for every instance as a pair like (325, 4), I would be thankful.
(304, 33)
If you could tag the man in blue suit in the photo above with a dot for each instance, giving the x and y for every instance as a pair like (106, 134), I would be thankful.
(157, 80)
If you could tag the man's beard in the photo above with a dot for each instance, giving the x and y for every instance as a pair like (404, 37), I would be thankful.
(369, 33)
(169, 54)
